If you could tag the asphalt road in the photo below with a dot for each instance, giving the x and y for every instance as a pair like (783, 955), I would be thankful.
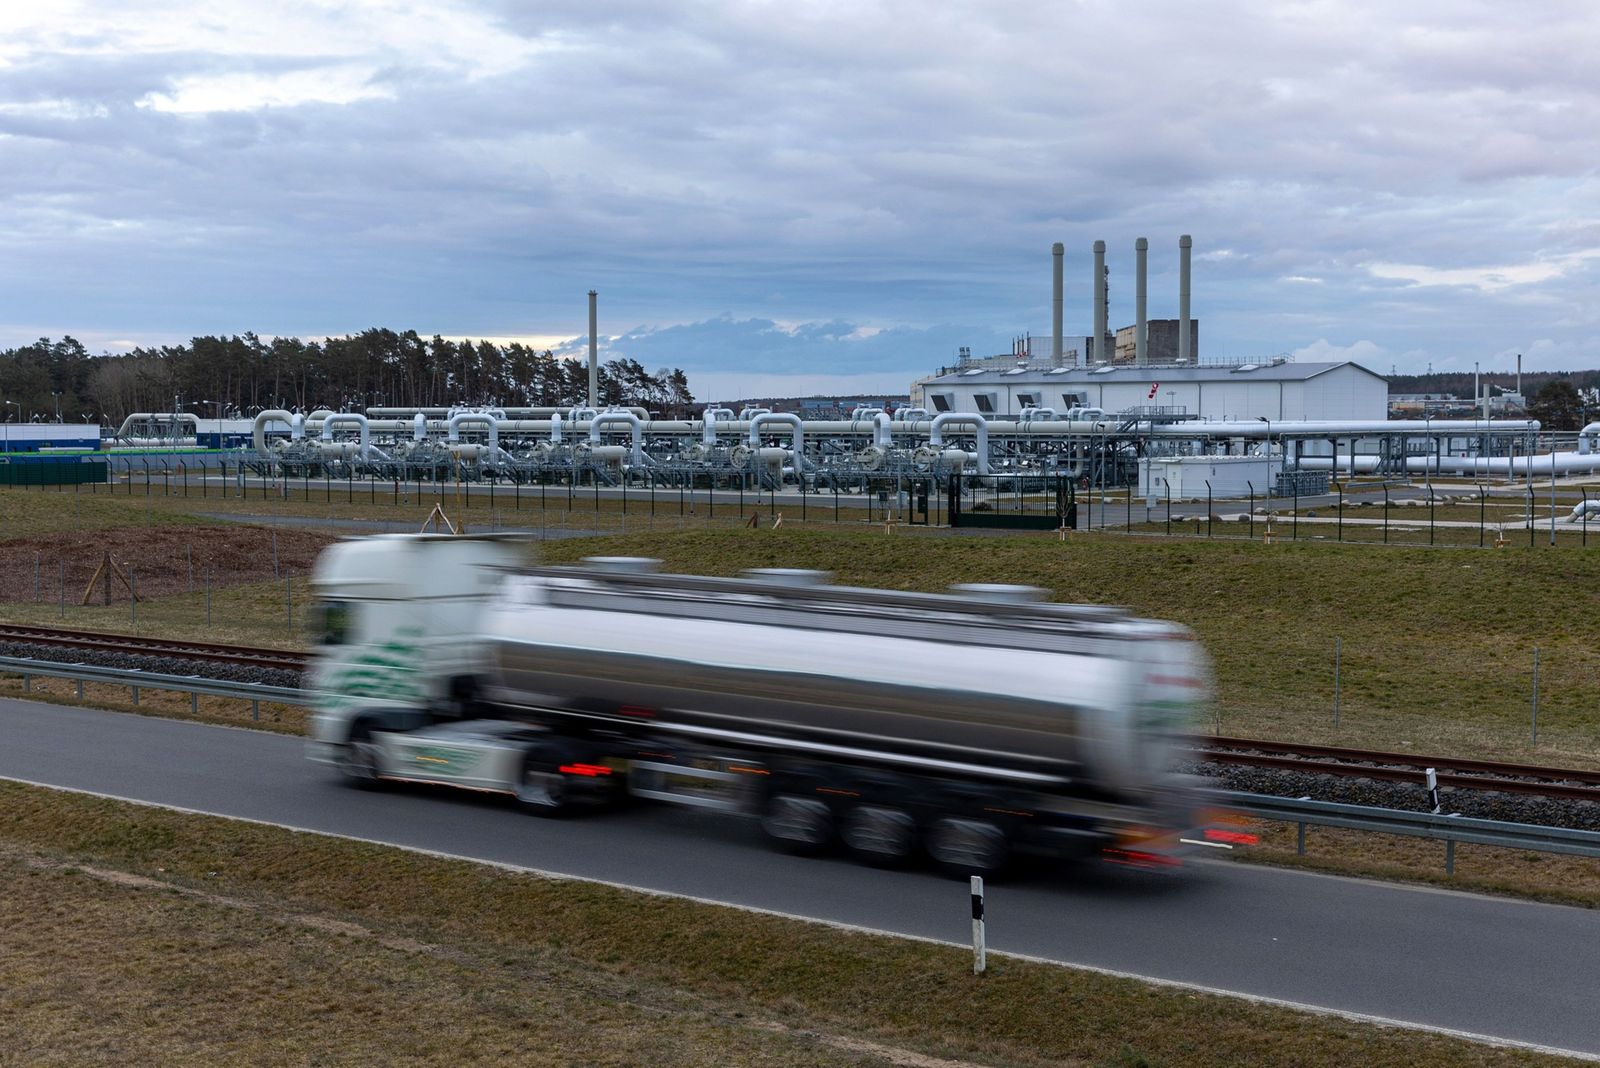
(1510, 970)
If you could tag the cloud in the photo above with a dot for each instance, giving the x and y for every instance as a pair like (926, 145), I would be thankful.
(750, 347)
(1485, 278)
(475, 167)
(1368, 353)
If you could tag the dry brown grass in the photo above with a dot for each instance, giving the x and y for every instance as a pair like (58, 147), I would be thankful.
(1540, 876)
(241, 942)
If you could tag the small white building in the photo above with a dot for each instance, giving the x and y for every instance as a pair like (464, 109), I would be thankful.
(1277, 389)
(1186, 477)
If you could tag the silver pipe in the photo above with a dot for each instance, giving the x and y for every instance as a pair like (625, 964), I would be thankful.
(259, 429)
(635, 427)
(333, 419)
(980, 427)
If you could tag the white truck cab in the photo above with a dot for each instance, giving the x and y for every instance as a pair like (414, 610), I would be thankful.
(399, 621)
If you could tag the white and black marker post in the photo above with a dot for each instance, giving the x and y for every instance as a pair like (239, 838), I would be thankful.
(980, 952)
(1433, 790)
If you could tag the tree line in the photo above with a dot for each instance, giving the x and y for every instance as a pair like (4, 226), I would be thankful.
(238, 375)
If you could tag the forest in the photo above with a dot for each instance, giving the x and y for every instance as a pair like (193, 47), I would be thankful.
(242, 374)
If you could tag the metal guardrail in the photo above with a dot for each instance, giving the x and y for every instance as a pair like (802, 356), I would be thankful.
(136, 680)
(1447, 828)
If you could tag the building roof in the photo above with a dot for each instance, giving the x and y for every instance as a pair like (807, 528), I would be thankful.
(1287, 371)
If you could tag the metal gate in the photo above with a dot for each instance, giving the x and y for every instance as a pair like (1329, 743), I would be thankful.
(1047, 502)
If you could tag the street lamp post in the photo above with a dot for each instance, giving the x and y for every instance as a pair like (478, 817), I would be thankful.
(1267, 421)
(6, 420)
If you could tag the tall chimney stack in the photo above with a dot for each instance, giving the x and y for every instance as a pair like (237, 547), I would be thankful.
(594, 351)
(1141, 253)
(1099, 351)
(1185, 243)
(1057, 251)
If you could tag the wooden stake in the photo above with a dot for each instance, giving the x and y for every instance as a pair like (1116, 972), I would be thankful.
(107, 569)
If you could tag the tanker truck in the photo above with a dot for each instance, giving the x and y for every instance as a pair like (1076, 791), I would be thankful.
(967, 727)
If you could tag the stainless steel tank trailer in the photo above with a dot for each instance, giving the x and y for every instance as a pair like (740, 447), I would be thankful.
(968, 726)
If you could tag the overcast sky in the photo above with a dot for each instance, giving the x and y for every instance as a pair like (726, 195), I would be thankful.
(806, 195)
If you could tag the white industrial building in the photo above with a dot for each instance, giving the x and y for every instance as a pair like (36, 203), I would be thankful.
(1275, 389)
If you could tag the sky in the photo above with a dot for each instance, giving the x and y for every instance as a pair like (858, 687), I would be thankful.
(806, 197)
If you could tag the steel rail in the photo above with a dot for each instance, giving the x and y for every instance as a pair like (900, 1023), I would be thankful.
(246, 656)
(1454, 772)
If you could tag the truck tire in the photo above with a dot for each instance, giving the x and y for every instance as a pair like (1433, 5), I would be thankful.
(796, 824)
(542, 790)
(359, 761)
(966, 847)
(879, 835)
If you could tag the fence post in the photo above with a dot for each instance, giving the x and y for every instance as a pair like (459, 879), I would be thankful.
(1386, 513)
(1535, 738)
(1209, 512)
(1250, 511)
(1340, 487)
(980, 950)
(288, 600)
(1338, 648)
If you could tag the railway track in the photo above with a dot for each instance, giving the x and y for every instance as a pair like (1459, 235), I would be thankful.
(1568, 783)
(242, 656)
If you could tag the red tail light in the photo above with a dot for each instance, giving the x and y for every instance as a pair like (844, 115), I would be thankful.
(1213, 834)
(591, 771)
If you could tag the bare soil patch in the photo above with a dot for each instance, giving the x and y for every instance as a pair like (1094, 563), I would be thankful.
(162, 560)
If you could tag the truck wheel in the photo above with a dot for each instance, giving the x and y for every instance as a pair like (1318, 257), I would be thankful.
(966, 847)
(359, 760)
(798, 824)
(879, 835)
(542, 790)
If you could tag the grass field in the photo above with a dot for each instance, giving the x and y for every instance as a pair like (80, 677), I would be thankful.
(136, 934)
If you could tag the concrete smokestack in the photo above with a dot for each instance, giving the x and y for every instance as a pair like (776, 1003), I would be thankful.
(1519, 374)
(1057, 251)
(1141, 254)
(1099, 303)
(1185, 243)
(594, 350)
